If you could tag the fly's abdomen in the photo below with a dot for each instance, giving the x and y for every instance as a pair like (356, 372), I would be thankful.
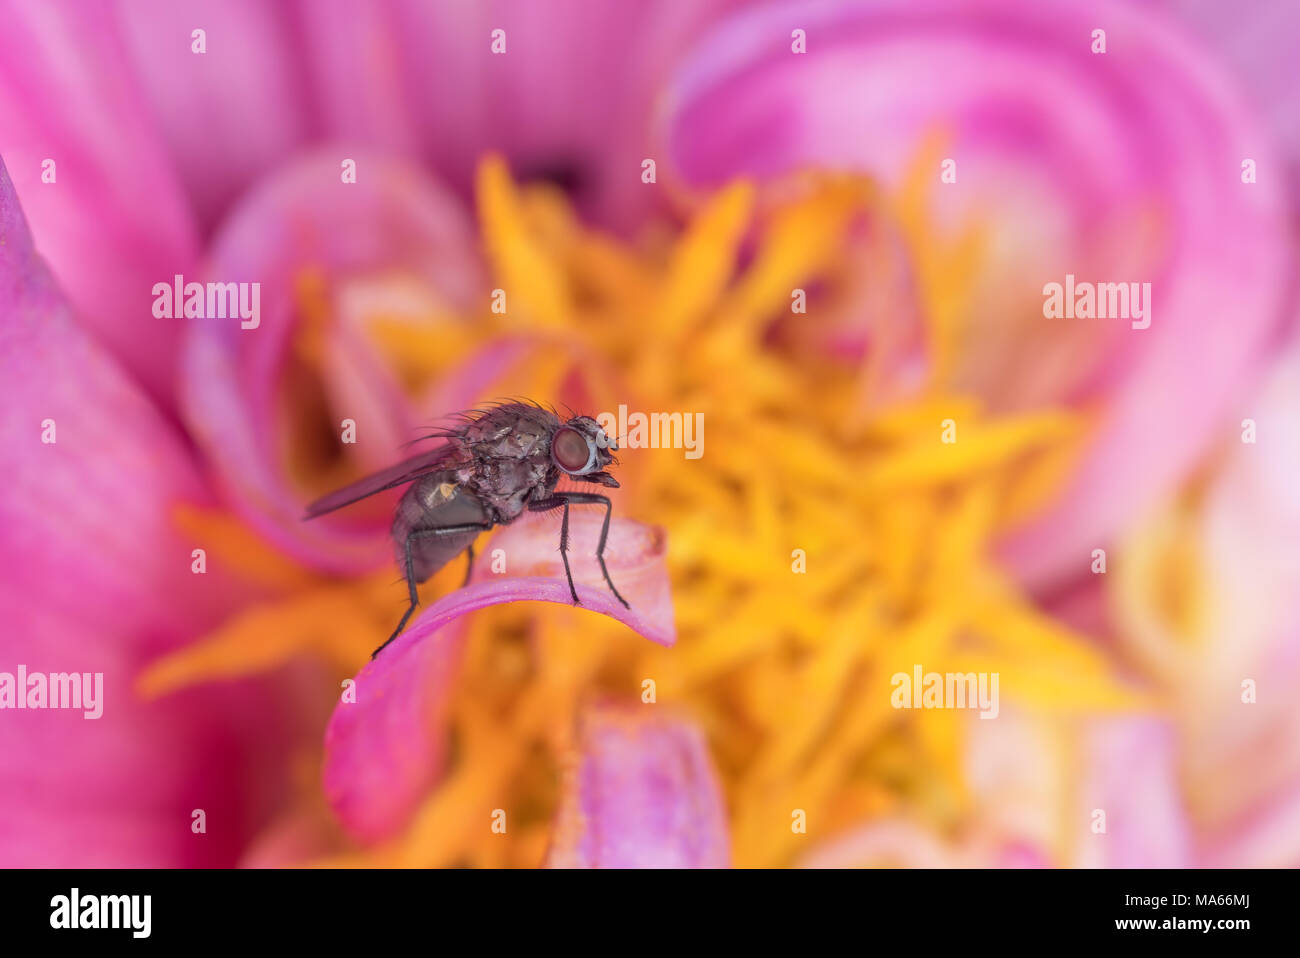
(435, 501)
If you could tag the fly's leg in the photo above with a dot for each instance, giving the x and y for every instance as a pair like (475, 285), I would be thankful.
(546, 505)
(410, 567)
(604, 536)
(563, 499)
(564, 553)
(469, 565)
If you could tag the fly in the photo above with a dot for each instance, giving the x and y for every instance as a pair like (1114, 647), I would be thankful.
(496, 465)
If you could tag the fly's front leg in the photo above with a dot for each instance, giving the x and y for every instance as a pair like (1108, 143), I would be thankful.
(546, 505)
(410, 567)
(564, 499)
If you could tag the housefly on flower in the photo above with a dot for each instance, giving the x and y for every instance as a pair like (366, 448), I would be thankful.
(496, 465)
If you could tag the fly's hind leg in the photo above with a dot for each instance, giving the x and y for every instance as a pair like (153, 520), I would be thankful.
(410, 567)
(469, 564)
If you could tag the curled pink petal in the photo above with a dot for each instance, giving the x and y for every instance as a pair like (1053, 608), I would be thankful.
(383, 751)
(1118, 167)
(307, 225)
(641, 793)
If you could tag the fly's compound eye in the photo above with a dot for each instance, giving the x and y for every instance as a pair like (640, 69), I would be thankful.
(573, 452)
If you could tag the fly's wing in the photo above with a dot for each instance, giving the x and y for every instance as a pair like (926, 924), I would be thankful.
(405, 471)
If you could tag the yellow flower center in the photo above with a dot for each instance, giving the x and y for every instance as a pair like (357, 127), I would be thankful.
(828, 538)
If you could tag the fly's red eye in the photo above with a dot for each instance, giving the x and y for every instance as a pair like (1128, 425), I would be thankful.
(570, 449)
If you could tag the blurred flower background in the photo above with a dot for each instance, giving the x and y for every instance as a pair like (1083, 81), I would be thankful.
(841, 247)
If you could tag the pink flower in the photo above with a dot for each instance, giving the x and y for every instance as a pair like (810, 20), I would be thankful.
(138, 159)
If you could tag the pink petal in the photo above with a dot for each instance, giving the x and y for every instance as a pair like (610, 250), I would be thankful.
(93, 507)
(94, 577)
(1117, 167)
(1130, 772)
(115, 220)
(232, 113)
(383, 752)
(392, 222)
(573, 94)
(1262, 45)
(642, 793)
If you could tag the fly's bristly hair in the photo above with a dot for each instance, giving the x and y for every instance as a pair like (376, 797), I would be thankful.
(473, 414)
(427, 436)
(518, 401)
(466, 417)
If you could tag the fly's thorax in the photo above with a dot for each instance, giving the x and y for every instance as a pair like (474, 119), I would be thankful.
(511, 431)
(505, 485)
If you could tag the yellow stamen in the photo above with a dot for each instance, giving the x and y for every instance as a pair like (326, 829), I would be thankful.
(535, 288)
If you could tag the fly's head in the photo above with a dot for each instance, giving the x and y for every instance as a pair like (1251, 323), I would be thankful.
(581, 449)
